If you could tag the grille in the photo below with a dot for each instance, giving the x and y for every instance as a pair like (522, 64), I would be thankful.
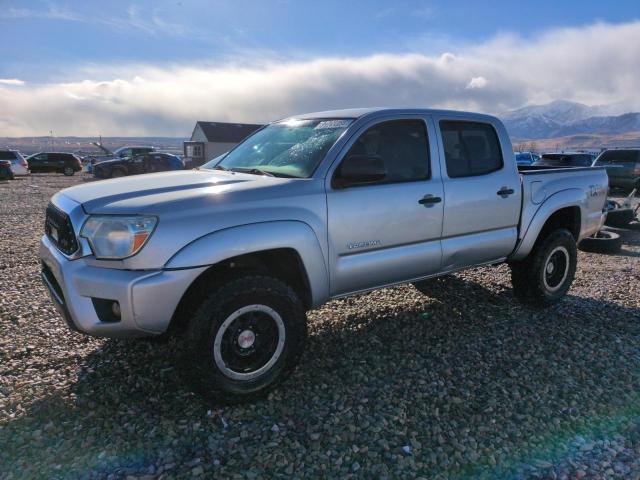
(58, 228)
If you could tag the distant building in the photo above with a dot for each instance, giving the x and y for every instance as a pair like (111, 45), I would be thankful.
(210, 139)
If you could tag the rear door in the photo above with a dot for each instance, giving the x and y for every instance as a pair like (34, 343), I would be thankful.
(159, 163)
(38, 163)
(55, 162)
(386, 231)
(482, 193)
(138, 164)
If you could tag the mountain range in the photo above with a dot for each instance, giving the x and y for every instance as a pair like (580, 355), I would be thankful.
(563, 118)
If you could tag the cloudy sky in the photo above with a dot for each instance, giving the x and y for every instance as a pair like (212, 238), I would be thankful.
(155, 67)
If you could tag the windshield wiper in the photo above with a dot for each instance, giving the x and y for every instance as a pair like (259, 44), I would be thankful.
(252, 171)
(220, 167)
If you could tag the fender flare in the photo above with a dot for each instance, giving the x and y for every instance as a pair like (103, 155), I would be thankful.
(256, 237)
(572, 197)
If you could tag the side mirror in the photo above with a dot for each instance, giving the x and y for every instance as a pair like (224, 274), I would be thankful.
(359, 170)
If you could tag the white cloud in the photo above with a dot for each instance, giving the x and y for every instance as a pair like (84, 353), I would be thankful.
(53, 13)
(11, 81)
(597, 64)
(147, 21)
(477, 82)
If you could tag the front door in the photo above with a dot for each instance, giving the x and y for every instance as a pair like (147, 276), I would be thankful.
(388, 230)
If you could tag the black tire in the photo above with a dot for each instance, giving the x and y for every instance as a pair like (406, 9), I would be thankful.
(534, 281)
(620, 218)
(602, 242)
(210, 332)
(68, 171)
(118, 172)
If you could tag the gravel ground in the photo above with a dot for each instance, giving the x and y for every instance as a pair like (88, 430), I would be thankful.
(464, 383)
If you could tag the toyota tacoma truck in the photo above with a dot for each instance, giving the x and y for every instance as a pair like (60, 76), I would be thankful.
(229, 257)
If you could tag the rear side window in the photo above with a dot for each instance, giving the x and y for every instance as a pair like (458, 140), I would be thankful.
(619, 156)
(7, 155)
(402, 145)
(470, 148)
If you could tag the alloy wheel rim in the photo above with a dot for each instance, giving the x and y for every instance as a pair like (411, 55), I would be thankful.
(556, 269)
(249, 342)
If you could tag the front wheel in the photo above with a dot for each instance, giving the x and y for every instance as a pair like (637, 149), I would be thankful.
(245, 338)
(545, 276)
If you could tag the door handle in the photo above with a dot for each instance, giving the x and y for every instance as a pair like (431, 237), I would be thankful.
(505, 192)
(429, 200)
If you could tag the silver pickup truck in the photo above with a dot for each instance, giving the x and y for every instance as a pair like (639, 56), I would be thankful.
(314, 207)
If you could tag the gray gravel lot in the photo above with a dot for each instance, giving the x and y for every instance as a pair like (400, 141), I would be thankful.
(464, 383)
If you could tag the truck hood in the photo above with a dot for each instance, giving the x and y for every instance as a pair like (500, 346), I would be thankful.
(156, 192)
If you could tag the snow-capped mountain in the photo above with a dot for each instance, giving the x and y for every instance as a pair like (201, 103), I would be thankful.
(563, 118)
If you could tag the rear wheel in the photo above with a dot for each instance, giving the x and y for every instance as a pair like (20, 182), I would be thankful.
(545, 276)
(245, 338)
(68, 171)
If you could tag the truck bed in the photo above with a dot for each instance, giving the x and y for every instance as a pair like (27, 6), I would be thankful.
(528, 169)
(540, 184)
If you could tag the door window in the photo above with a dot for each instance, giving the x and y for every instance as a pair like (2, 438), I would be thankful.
(470, 148)
(401, 145)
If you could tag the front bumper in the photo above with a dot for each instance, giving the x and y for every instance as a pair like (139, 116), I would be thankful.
(147, 299)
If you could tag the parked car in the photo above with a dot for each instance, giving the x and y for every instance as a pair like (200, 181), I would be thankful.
(307, 209)
(19, 165)
(58, 162)
(565, 160)
(526, 158)
(148, 163)
(119, 153)
(6, 173)
(623, 167)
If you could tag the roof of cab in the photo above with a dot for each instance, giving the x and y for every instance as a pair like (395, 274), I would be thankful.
(361, 112)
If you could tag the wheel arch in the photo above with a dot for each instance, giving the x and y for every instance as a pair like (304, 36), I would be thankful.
(288, 250)
(562, 210)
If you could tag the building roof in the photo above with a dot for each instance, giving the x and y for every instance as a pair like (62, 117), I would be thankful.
(226, 132)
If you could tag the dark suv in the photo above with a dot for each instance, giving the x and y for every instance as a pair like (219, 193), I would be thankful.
(623, 167)
(149, 163)
(66, 163)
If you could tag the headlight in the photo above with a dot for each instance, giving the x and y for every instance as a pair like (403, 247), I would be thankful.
(116, 236)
